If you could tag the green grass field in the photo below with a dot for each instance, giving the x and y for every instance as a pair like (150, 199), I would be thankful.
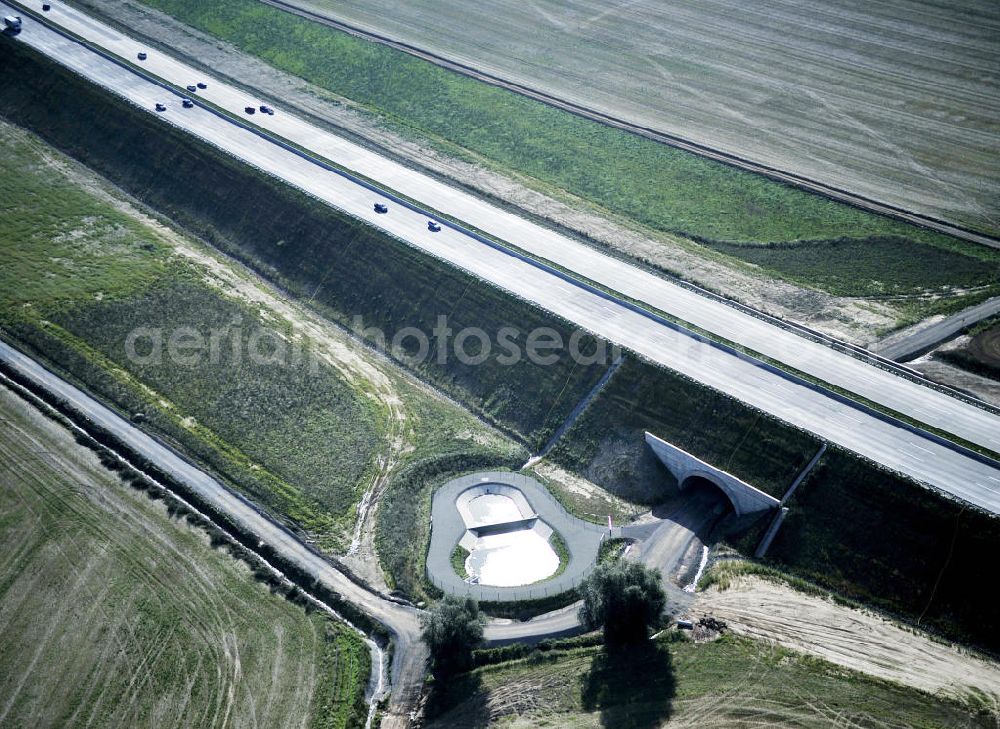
(649, 183)
(876, 267)
(731, 682)
(116, 614)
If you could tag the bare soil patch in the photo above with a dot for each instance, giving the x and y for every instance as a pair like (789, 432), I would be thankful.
(851, 638)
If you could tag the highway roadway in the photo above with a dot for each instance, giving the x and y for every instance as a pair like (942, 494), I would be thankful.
(846, 424)
(402, 621)
(815, 359)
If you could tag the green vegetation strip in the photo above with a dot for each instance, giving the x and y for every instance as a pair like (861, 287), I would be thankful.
(82, 276)
(458, 558)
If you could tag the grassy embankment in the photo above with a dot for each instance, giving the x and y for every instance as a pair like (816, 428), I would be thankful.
(84, 268)
(853, 528)
(80, 273)
(607, 446)
(298, 243)
(879, 540)
(728, 682)
(820, 243)
(117, 614)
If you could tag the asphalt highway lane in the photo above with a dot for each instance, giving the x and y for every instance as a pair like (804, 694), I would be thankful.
(845, 424)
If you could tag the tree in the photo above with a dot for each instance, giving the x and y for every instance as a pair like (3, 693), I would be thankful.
(452, 629)
(625, 597)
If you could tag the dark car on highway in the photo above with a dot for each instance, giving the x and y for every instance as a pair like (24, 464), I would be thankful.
(433, 226)
(161, 106)
(202, 85)
(142, 55)
(192, 88)
(187, 103)
(381, 208)
(249, 110)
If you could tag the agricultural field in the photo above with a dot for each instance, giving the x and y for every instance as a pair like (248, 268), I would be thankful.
(651, 185)
(117, 614)
(897, 102)
(723, 683)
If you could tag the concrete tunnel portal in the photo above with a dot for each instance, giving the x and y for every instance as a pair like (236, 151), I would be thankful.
(690, 470)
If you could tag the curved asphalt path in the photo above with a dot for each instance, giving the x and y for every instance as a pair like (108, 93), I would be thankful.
(890, 443)
(410, 656)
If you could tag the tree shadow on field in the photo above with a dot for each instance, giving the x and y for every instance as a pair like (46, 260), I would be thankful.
(633, 688)
(458, 702)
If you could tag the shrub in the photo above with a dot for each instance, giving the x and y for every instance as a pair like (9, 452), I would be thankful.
(452, 629)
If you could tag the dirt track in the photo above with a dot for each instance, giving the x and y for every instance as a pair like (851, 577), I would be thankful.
(858, 640)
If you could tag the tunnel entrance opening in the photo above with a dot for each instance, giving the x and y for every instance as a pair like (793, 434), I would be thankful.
(707, 488)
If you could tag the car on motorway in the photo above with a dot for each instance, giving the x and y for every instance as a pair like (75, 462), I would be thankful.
(381, 208)
(192, 88)
(433, 226)
(202, 85)
(142, 56)
(46, 7)
(249, 110)
(12, 23)
(187, 103)
(160, 106)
